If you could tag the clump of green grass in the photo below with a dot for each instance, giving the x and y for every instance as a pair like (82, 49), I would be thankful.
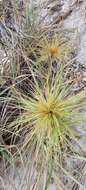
(47, 121)
(29, 39)
(20, 28)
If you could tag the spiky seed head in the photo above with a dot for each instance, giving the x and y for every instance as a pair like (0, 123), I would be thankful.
(55, 48)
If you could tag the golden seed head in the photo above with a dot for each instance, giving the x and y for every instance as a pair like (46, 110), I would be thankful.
(53, 51)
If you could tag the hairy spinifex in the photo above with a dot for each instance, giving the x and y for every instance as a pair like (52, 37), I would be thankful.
(47, 122)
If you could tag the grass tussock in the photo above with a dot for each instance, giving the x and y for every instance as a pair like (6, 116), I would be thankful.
(47, 122)
(55, 48)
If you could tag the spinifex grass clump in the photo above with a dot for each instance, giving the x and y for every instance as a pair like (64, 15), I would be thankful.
(20, 31)
(56, 47)
(47, 122)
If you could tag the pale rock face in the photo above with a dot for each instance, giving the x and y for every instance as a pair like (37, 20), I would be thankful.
(52, 187)
(77, 22)
(82, 49)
